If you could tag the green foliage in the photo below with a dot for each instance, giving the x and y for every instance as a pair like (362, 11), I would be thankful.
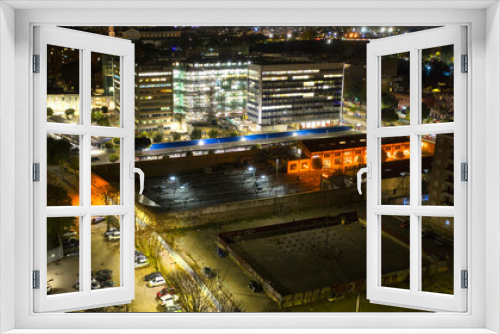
(50, 112)
(257, 147)
(60, 225)
(69, 111)
(103, 122)
(113, 158)
(309, 34)
(157, 137)
(176, 135)
(389, 101)
(233, 134)
(196, 134)
(104, 110)
(142, 143)
(389, 115)
(109, 145)
(116, 141)
(317, 163)
(426, 110)
(74, 163)
(58, 151)
(144, 135)
(213, 134)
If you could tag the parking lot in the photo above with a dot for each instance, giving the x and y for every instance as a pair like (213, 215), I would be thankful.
(175, 193)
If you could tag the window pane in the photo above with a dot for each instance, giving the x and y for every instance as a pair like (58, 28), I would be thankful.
(63, 170)
(437, 169)
(395, 106)
(437, 84)
(105, 90)
(105, 259)
(395, 266)
(63, 255)
(63, 85)
(105, 162)
(437, 254)
(395, 170)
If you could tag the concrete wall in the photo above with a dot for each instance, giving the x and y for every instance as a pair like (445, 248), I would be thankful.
(259, 208)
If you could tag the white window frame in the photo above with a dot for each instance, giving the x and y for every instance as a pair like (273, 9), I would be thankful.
(85, 44)
(414, 43)
(484, 296)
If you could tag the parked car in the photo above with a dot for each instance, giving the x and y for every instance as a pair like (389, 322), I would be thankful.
(97, 220)
(255, 286)
(165, 291)
(95, 159)
(102, 277)
(76, 252)
(69, 234)
(169, 299)
(110, 231)
(335, 296)
(108, 272)
(70, 243)
(150, 276)
(172, 308)
(156, 281)
(208, 272)
(115, 235)
(258, 185)
(137, 254)
(107, 284)
(141, 262)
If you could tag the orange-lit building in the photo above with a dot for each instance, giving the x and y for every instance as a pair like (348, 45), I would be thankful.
(341, 154)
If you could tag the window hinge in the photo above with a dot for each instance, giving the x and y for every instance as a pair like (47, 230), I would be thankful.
(36, 279)
(464, 171)
(464, 279)
(36, 172)
(465, 64)
(36, 63)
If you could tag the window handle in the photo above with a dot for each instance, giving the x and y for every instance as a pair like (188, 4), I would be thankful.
(134, 170)
(368, 172)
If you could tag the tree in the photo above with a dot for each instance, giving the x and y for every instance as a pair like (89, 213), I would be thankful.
(426, 110)
(385, 156)
(389, 101)
(144, 134)
(233, 134)
(58, 151)
(157, 137)
(389, 115)
(196, 134)
(104, 122)
(399, 155)
(116, 141)
(109, 145)
(213, 134)
(104, 110)
(256, 147)
(176, 136)
(309, 34)
(104, 192)
(142, 143)
(69, 111)
(50, 112)
(113, 158)
(317, 163)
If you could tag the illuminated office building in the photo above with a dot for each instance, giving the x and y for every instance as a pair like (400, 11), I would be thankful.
(297, 95)
(154, 99)
(210, 86)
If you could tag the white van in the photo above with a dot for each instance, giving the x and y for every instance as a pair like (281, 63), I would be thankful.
(156, 281)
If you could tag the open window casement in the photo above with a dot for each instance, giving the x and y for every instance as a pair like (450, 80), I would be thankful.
(74, 207)
(431, 205)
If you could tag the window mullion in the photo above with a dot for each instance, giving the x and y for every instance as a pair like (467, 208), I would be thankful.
(86, 177)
